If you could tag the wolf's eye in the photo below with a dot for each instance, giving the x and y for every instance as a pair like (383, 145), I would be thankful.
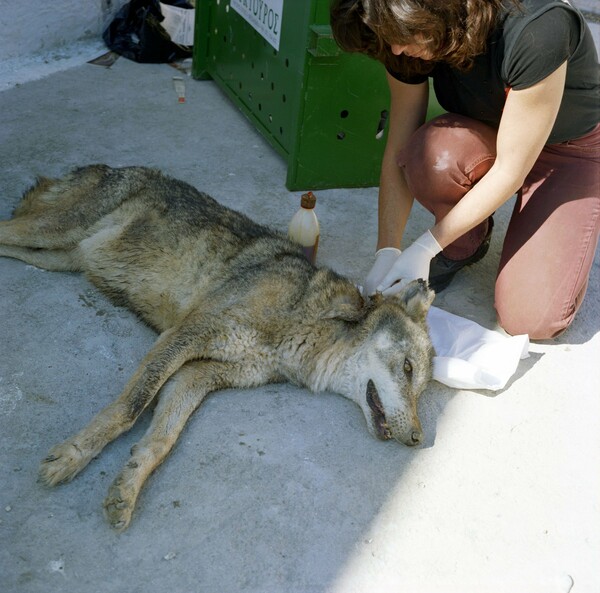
(407, 366)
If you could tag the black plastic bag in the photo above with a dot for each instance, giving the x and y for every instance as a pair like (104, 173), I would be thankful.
(136, 33)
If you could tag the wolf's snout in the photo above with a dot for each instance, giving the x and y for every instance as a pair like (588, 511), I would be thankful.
(408, 432)
(416, 437)
(411, 437)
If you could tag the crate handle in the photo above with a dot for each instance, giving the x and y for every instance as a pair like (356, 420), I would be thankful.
(321, 42)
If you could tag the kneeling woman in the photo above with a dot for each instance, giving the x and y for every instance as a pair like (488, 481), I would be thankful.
(520, 82)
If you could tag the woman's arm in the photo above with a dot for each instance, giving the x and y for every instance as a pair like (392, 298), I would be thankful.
(526, 123)
(408, 107)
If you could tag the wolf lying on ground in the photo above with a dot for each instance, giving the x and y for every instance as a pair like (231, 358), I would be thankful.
(235, 303)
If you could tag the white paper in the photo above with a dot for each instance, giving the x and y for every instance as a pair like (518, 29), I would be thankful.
(468, 356)
(179, 23)
(264, 16)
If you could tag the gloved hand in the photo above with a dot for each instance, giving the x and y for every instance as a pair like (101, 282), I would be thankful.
(384, 259)
(412, 263)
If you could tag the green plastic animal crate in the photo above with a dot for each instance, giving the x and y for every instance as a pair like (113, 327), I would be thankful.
(319, 107)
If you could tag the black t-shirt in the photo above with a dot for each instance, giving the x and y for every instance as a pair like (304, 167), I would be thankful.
(525, 48)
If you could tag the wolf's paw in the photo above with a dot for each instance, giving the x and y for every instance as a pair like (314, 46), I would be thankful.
(62, 464)
(119, 505)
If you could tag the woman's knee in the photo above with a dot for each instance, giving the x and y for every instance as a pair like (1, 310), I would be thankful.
(535, 326)
(446, 157)
(520, 312)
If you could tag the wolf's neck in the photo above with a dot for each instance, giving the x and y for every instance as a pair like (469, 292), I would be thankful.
(324, 364)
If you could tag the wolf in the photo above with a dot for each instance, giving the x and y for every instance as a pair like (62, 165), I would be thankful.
(235, 304)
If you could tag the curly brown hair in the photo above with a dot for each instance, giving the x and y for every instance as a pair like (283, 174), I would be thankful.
(455, 31)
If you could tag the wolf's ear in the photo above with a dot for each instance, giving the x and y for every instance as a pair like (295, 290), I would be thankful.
(347, 307)
(416, 298)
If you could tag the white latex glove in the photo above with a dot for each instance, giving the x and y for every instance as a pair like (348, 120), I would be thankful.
(384, 260)
(412, 263)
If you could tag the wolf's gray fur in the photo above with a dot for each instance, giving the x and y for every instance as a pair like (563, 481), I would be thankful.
(235, 303)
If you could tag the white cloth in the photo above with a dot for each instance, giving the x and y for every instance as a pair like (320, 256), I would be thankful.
(468, 356)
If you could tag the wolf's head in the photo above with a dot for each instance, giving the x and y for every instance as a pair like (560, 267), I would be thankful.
(393, 363)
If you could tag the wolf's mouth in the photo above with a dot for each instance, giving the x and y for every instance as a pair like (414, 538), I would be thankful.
(377, 413)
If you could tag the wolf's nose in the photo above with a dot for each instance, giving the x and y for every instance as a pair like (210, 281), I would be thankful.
(416, 437)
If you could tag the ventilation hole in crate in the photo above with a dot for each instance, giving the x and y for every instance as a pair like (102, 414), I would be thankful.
(272, 86)
(344, 113)
(270, 118)
(243, 56)
(226, 7)
(280, 130)
(259, 107)
(240, 86)
(283, 98)
(287, 63)
(252, 65)
(341, 135)
(262, 76)
(381, 124)
(249, 96)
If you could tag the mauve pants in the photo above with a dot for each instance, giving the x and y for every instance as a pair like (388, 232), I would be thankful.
(552, 236)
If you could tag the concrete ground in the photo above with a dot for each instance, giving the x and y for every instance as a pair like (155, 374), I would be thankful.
(273, 490)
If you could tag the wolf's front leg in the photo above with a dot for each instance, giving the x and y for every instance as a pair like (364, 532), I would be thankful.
(177, 401)
(67, 459)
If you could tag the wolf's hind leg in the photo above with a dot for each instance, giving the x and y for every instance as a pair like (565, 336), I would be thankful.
(179, 398)
(40, 232)
(54, 260)
(58, 213)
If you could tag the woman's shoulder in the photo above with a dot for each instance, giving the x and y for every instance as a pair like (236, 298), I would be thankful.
(539, 16)
(537, 39)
